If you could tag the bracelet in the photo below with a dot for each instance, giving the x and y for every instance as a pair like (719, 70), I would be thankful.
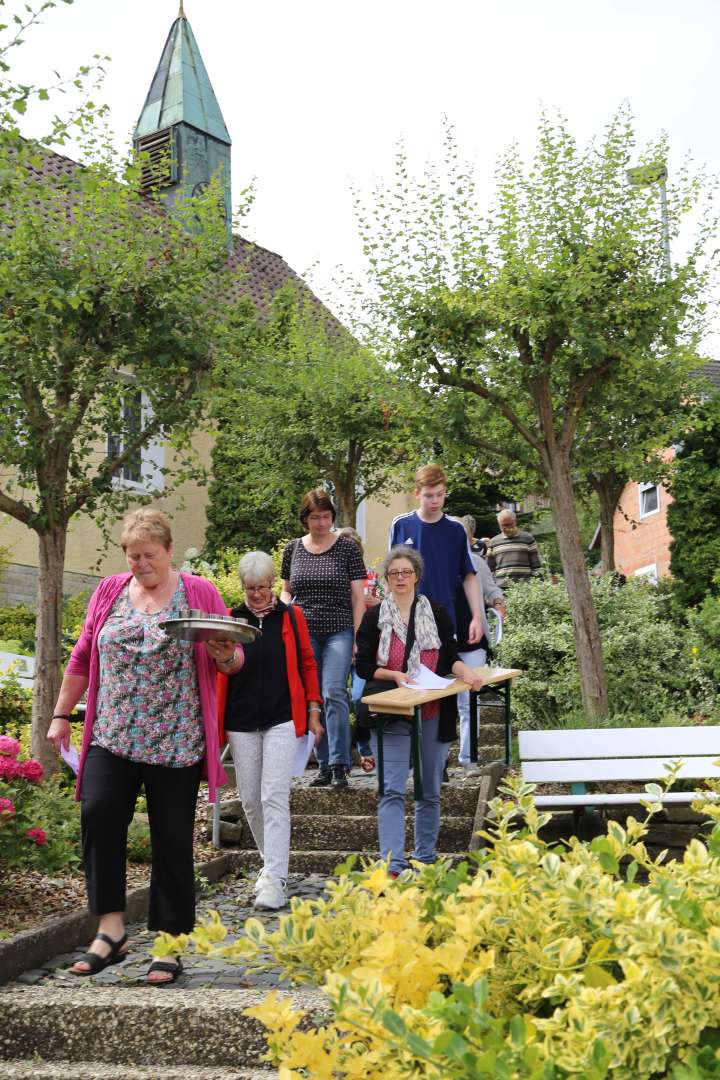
(313, 708)
(230, 662)
(61, 716)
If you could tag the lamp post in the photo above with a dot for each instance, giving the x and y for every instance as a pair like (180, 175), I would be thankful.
(655, 173)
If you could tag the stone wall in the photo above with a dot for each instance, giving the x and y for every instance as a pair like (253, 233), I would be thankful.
(18, 584)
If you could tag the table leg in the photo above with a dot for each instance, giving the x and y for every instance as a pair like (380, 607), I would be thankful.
(474, 725)
(416, 747)
(508, 725)
(380, 760)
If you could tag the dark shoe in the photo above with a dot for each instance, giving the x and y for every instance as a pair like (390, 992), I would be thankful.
(323, 778)
(172, 967)
(339, 776)
(96, 962)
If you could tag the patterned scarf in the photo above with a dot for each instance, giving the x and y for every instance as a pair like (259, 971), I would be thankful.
(390, 621)
(265, 609)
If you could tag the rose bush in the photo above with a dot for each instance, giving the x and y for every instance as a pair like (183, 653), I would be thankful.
(39, 821)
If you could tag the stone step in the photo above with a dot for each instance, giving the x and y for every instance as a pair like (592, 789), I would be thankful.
(138, 1027)
(460, 799)
(321, 832)
(314, 862)
(100, 1070)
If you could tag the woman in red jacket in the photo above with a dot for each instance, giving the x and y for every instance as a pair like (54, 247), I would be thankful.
(264, 708)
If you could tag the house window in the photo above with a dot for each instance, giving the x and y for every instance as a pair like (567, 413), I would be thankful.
(650, 572)
(143, 469)
(649, 499)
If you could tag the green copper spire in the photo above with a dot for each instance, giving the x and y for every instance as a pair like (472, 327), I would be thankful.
(181, 90)
(181, 128)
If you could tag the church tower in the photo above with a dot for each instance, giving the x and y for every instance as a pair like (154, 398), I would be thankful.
(181, 128)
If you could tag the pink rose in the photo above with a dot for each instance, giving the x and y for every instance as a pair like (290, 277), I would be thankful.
(38, 835)
(9, 747)
(7, 808)
(9, 768)
(31, 770)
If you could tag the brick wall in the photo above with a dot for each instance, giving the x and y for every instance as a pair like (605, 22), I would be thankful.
(18, 584)
(641, 542)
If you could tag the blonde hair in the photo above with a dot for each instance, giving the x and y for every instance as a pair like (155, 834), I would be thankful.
(146, 524)
(429, 476)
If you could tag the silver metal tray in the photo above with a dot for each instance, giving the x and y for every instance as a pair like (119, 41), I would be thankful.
(198, 626)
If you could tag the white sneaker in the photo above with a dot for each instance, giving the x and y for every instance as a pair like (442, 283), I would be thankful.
(258, 882)
(271, 896)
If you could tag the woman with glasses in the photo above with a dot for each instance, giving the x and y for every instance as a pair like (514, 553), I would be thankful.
(404, 631)
(325, 574)
(263, 709)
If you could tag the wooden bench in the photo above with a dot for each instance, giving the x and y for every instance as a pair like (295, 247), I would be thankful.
(614, 755)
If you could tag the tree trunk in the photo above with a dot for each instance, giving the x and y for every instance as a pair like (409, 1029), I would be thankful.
(48, 637)
(587, 633)
(346, 500)
(608, 489)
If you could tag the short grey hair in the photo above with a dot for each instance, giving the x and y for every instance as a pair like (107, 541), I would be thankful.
(255, 567)
(402, 551)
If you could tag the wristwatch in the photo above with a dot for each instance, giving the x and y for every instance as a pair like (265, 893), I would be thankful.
(61, 716)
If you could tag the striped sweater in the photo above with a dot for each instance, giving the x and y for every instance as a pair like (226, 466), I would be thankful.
(513, 558)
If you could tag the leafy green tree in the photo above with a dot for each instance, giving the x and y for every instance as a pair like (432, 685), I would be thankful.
(300, 405)
(694, 514)
(109, 322)
(538, 307)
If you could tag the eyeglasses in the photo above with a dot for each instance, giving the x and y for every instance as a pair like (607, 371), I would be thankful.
(257, 588)
(400, 573)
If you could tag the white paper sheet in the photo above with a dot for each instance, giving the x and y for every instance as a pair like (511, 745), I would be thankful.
(498, 627)
(303, 748)
(70, 756)
(425, 679)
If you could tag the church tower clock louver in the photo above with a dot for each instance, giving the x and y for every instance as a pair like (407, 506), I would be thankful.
(181, 128)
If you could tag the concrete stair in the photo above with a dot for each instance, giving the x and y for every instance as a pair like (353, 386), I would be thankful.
(80, 1032)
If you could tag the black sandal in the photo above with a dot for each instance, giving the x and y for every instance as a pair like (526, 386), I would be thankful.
(98, 963)
(174, 969)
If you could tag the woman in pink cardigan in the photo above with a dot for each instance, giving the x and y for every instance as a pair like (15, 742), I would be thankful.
(150, 720)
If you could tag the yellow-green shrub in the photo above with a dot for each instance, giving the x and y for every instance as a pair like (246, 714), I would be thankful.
(543, 963)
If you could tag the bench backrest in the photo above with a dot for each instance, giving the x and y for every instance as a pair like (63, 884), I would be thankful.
(570, 756)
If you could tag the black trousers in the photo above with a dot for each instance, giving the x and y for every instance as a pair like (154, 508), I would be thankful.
(110, 788)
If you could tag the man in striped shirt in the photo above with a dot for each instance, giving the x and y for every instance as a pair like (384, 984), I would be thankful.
(513, 554)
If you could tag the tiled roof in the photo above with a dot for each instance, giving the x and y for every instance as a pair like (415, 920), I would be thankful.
(260, 272)
(711, 372)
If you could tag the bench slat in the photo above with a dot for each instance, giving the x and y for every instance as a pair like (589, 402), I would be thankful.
(619, 742)
(566, 772)
(631, 798)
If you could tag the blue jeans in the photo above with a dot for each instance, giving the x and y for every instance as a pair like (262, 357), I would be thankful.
(333, 656)
(475, 658)
(391, 808)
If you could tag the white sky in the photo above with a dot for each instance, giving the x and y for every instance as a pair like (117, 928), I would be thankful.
(316, 94)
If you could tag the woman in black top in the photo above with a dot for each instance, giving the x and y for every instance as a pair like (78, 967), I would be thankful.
(324, 574)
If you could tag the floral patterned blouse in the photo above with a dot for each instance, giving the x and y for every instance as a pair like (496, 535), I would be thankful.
(148, 706)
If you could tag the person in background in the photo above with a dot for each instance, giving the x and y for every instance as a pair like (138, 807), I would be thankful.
(357, 685)
(150, 721)
(474, 655)
(263, 709)
(324, 574)
(477, 547)
(513, 554)
(394, 638)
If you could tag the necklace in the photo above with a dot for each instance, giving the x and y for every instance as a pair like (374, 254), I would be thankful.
(154, 600)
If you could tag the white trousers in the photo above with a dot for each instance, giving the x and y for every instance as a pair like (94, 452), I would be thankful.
(475, 658)
(263, 767)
